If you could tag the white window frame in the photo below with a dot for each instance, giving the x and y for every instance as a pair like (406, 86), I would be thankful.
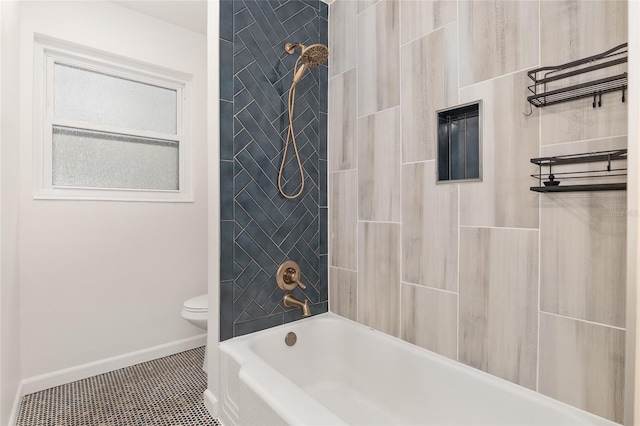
(50, 52)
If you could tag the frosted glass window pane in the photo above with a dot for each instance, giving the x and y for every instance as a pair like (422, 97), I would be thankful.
(84, 158)
(90, 96)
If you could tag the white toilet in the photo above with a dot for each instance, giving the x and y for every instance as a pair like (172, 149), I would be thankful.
(195, 310)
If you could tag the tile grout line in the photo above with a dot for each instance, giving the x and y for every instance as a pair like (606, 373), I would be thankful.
(399, 147)
(459, 190)
(429, 288)
(538, 339)
(583, 321)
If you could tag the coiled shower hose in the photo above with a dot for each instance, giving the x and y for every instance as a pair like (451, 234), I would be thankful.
(291, 139)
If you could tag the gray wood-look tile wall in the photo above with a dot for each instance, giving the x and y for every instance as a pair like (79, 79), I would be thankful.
(510, 140)
(342, 124)
(379, 276)
(524, 286)
(430, 319)
(378, 34)
(379, 166)
(427, 85)
(343, 292)
(499, 302)
(429, 235)
(582, 364)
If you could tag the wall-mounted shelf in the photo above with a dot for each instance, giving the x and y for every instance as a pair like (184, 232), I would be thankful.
(556, 181)
(545, 93)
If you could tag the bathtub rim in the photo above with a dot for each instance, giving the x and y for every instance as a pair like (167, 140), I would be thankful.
(255, 373)
(239, 348)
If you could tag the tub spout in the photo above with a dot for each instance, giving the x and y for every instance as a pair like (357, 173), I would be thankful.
(291, 302)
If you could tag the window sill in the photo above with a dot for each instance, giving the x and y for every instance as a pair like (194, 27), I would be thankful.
(97, 194)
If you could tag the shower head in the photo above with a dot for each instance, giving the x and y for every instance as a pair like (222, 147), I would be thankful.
(311, 56)
(314, 55)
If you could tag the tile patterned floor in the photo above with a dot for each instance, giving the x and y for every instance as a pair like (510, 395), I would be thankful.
(162, 392)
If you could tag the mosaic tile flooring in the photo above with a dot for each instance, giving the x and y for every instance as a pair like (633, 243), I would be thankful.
(162, 392)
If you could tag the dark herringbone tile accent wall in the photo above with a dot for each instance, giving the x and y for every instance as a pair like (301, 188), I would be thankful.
(260, 228)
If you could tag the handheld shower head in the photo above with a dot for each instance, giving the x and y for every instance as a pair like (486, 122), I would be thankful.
(314, 55)
(311, 56)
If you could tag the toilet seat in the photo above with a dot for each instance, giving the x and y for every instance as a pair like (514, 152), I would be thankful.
(195, 310)
(198, 304)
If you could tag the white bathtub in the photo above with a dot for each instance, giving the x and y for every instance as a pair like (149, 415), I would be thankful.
(342, 373)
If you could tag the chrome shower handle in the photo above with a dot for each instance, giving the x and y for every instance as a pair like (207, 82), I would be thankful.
(288, 276)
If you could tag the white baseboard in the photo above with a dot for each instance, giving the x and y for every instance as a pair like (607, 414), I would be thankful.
(211, 403)
(68, 375)
(13, 416)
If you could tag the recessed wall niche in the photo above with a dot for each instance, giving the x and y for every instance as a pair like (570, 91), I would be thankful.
(460, 143)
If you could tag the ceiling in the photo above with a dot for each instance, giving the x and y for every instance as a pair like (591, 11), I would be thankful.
(189, 14)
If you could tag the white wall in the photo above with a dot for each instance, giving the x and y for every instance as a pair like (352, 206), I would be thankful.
(213, 56)
(9, 285)
(105, 279)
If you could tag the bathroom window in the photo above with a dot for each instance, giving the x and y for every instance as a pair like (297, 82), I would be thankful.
(459, 143)
(110, 129)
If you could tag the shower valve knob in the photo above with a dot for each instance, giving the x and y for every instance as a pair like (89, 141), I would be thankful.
(291, 277)
(288, 276)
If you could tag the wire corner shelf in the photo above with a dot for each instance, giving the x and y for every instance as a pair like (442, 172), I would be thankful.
(544, 95)
(554, 181)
